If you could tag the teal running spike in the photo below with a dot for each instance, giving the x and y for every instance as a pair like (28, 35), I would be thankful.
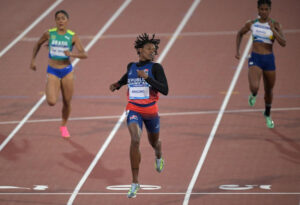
(133, 190)
(251, 100)
(269, 121)
(159, 165)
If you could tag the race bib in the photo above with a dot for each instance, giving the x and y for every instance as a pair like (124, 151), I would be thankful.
(58, 51)
(138, 93)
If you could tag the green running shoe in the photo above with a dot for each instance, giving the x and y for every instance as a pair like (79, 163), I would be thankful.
(251, 100)
(133, 190)
(269, 121)
(159, 165)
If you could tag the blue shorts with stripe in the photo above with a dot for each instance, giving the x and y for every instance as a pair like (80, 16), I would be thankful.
(152, 123)
(264, 61)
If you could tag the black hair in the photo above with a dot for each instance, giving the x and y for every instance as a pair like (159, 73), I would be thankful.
(260, 2)
(143, 39)
(63, 12)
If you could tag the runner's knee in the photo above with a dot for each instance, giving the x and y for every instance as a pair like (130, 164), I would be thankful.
(51, 101)
(135, 141)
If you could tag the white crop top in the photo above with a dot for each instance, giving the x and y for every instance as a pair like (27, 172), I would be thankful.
(261, 32)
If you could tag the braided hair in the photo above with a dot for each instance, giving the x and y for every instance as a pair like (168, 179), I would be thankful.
(143, 39)
(261, 2)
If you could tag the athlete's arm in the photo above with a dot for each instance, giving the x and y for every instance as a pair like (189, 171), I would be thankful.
(159, 82)
(239, 37)
(121, 82)
(277, 32)
(81, 52)
(36, 48)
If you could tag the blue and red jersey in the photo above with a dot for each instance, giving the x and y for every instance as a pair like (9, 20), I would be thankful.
(143, 94)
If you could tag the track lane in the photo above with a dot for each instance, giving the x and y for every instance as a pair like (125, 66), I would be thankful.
(41, 149)
(89, 134)
(244, 150)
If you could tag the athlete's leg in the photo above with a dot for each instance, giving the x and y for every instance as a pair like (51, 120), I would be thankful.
(254, 76)
(67, 88)
(269, 82)
(153, 127)
(155, 143)
(52, 89)
(135, 154)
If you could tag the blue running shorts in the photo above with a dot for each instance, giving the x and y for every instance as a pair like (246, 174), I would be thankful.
(152, 123)
(60, 73)
(264, 61)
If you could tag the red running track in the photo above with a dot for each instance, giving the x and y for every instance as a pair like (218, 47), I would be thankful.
(262, 163)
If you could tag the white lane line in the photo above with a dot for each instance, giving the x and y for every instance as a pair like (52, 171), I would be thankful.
(133, 35)
(217, 122)
(21, 123)
(178, 30)
(87, 48)
(207, 112)
(153, 193)
(116, 127)
(96, 159)
(41, 17)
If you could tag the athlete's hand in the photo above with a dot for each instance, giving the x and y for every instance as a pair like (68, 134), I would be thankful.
(271, 24)
(68, 53)
(32, 65)
(237, 56)
(114, 86)
(142, 74)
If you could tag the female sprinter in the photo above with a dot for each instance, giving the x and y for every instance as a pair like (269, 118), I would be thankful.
(60, 71)
(145, 80)
(262, 63)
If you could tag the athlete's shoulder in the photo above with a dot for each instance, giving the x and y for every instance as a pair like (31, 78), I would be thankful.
(248, 24)
(273, 20)
(251, 22)
(130, 64)
(52, 29)
(157, 65)
(276, 23)
(72, 33)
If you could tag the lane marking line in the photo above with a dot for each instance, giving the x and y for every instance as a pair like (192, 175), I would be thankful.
(121, 119)
(127, 187)
(116, 127)
(217, 122)
(42, 99)
(208, 112)
(21, 123)
(153, 193)
(31, 26)
(96, 159)
(187, 34)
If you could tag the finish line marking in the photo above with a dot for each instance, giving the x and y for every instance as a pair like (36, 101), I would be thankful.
(159, 193)
(127, 187)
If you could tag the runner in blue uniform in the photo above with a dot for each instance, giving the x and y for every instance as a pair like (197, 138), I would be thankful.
(145, 80)
(262, 62)
(60, 71)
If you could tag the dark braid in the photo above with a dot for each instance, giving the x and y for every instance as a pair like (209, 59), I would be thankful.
(63, 12)
(260, 2)
(143, 39)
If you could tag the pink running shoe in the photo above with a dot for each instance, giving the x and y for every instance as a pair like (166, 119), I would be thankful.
(64, 132)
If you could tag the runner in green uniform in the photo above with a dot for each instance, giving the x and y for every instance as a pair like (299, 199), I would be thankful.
(60, 71)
